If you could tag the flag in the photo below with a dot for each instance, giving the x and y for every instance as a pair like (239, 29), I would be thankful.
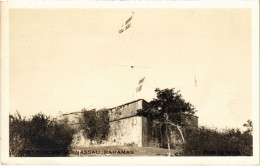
(120, 30)
(139, 88)
(142, 80)
(126, 25)
(140, 85)
(128, 20)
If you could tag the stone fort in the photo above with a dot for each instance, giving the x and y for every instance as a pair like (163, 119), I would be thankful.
(126, 128)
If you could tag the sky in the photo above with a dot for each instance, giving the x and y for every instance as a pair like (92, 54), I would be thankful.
(69, 59)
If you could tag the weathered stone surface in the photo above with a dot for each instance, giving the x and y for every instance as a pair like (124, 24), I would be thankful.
(127, 129)
(127, 110)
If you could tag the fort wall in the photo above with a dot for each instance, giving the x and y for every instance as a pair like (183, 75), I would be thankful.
(126, 128)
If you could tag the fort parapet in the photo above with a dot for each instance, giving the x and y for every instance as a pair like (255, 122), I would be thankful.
(126, 128)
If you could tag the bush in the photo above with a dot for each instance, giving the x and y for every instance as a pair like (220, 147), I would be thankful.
(211, 142)
(40, 135)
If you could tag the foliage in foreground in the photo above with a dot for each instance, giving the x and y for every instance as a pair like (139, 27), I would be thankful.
(211, 142)
(40, 135)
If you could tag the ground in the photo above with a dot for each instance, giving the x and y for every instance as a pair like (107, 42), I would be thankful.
(119, 151)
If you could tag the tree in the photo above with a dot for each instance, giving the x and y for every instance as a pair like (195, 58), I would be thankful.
(18, 129)
(247, 138)
(40, 135)
(167, 109)
(213, 142)
(96, 125)
(249, 126)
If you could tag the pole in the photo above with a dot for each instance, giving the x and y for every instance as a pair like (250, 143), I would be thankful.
(132, 89)
(132, 27)
(132, 67)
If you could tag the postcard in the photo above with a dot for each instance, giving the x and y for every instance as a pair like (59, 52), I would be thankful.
(130, 82)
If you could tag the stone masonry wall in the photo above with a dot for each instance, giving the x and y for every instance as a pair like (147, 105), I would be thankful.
(123, 132)
(126, 110)
(126, 128)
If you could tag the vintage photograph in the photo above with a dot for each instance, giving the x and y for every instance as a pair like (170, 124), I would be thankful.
(130, 82)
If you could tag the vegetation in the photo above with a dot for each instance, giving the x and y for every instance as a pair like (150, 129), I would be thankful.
(96, 125)
(40, 135)
(43, 135)
(211, 142)
(167, 107)
(166, 111)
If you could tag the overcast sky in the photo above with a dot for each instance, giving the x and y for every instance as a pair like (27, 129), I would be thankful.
(67, 59)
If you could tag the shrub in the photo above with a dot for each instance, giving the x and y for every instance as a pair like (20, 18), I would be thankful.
(40, 135)
(211, 142)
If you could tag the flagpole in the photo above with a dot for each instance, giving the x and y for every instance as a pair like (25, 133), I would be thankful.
(128, 24)
(196, 85)
(132, 67)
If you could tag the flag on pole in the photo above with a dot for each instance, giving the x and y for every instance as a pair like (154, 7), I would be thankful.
(142, 80)
(126, 25)
(140, 85)
(139, 88)
(120, 30)
(128, 20)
